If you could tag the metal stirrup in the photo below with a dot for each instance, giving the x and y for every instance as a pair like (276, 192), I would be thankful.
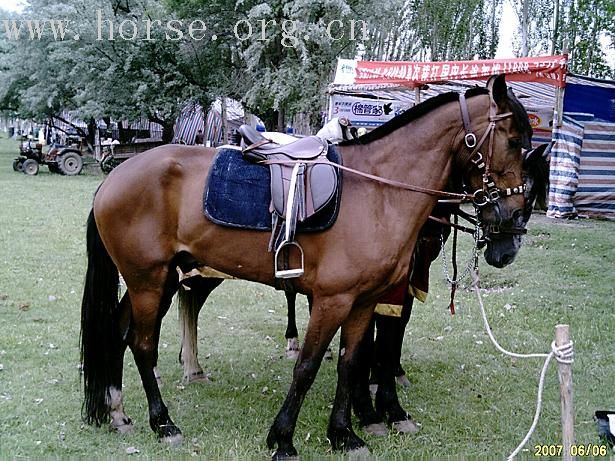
(287, 242)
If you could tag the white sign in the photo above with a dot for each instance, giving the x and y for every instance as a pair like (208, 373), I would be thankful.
(365, 111)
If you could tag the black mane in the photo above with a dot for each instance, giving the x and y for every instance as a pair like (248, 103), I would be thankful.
(521, 120)
(413, 114)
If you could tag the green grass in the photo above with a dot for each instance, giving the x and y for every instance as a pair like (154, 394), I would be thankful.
(471, 401)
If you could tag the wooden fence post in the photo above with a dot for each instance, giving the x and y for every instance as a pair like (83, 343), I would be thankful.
(562, 337)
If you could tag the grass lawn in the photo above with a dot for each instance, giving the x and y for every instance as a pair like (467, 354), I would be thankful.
(471, 401)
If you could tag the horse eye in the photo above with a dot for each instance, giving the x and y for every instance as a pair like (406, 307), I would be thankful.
(514, 142)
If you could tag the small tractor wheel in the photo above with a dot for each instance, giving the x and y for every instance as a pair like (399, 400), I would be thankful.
(18, 164)
(70, 163)
(30, 167)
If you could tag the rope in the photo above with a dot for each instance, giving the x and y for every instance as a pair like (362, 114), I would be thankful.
(563, 354)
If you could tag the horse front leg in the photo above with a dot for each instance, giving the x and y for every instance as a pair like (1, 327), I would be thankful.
(340, 431)
(326, 317)
(148, 307)
(387, 355)
(191, 300)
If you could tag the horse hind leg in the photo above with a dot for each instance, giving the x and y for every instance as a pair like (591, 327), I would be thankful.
(191, 299)
(148, 307)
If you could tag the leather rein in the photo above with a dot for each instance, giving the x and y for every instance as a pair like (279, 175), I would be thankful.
(489, 193)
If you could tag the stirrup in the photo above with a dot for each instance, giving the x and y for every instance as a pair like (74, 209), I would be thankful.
(288, 273)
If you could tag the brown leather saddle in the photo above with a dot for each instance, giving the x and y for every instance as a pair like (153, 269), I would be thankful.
(298, 190)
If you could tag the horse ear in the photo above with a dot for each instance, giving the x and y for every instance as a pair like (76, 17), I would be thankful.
(497, 87)
(533, 155)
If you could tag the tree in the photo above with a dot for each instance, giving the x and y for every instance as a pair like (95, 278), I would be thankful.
(118, 67)
(575, 26)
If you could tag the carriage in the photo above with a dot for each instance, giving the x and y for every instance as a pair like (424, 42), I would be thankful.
(114, 154)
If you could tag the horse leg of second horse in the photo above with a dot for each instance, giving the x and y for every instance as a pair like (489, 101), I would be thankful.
(389, 340)
(361, 397)
(291, 335)
(147, 312)
(190, 303)
(327, 315)
(340, 431)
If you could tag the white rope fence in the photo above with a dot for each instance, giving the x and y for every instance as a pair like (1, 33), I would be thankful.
(564, 354)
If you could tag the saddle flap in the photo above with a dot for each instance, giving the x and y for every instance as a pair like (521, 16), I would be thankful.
(321, 187)
(320, 182)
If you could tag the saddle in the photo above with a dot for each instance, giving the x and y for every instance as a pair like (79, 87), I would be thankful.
(298, 190)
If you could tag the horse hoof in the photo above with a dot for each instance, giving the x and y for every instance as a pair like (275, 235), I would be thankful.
(407, 426)
(174, 440)
(358, 453)
(292, 354)
(123, 428)
(378, 429)
(277, 456)
(403, 381)
(198, 377)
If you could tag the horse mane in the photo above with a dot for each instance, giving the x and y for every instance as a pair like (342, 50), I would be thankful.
(412, 114)
(521, 119)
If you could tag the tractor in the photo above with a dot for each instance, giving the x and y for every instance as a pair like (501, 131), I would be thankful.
(63, 159)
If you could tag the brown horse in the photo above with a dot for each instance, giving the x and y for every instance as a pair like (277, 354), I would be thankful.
(385, 351)
(147, 219)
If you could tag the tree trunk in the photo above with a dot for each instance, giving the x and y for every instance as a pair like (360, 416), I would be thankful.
(281, 116)
(92, 127)
(555, 27)
(167, 130)
(524, 28)
(494, 39)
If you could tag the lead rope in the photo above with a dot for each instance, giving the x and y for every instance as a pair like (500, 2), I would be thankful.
(563, 354)
(454, 283)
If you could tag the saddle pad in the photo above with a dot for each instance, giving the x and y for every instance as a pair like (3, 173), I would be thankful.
(238, 194)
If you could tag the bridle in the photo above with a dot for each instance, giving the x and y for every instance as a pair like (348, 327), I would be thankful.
(489, 194)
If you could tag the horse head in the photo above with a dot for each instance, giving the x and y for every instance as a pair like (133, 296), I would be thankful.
(495, 173)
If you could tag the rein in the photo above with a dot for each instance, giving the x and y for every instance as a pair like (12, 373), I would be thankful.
(456, 197)
(489, 193)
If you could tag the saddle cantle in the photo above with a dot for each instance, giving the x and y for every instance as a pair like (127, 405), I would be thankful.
(298, 190)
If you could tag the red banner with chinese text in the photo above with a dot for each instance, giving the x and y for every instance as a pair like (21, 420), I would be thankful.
(544, 69)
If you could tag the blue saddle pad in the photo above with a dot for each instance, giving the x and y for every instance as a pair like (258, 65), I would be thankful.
(238, 194)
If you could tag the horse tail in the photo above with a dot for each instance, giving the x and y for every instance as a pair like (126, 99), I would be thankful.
(99, 327)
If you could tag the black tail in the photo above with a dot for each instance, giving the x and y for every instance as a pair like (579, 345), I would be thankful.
(99, 330)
